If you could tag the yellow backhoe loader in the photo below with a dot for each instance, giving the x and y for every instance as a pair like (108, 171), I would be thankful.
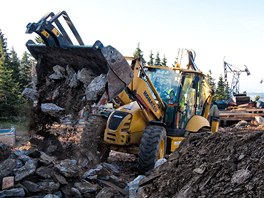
(156, 106)
(158, 109)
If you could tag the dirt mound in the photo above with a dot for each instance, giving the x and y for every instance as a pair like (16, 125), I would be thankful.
(216, 165)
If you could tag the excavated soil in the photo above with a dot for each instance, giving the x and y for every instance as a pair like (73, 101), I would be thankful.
(211, 165)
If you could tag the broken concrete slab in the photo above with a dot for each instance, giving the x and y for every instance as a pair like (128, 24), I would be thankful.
(51, 109)
(85, 76)
(46, 159)
(71, 78)
(45, 172)
(68, 168)
(30, 94)
(96, 88)
(59, 73)
(48, 186)
(14, 192)
(28, 169)
(60, 179)
(7, 167)
(31, 186)
(86, 187)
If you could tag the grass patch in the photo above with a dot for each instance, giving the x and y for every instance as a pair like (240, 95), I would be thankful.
(20, 123)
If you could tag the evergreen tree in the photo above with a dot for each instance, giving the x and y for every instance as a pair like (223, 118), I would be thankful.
(3, 52)
(220, 91)
(157, 60)
(164, 61)
(10, 96)
(211, 80)
(139, 54)
(25, 70)
(14, 63)
(151, 59)
(227, 91)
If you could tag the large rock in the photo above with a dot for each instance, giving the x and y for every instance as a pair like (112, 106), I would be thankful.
(86, 187)
(71, 79)
(92, 172)
(59, 73)
(85, 76)
(96, 88)
(7, 167)
(30, 94)
(28, 169)
(48, 186)
(109, 192)
(68, 168)
(31, 186)
(15, 192)
(45, 172)
(51, 109)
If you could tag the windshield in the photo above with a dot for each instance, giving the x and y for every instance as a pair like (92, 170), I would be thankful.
(166, 82)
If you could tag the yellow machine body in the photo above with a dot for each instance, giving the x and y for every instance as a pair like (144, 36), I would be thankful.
(142, 104)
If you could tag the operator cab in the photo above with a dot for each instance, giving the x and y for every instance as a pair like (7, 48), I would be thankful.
(182, 93)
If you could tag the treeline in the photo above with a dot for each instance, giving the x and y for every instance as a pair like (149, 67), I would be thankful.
(221, 88)
(15, 75)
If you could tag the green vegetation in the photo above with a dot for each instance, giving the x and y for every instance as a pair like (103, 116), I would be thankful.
(221, 90)
(139, 54)
(151, 59)
(15, 75)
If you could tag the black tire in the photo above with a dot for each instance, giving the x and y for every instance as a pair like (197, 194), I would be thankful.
(150, 147)
(92, 139)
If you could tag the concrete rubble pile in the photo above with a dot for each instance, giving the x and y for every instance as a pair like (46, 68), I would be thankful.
(61, 93)
(33, 173)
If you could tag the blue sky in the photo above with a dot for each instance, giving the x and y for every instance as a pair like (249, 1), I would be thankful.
(213, 29)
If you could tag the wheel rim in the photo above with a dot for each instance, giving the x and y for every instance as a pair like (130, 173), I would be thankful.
(161, 149)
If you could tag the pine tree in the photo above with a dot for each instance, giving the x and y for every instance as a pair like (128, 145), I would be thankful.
(14, 63)
(151, 59)
(164, 61)
(10, 97)
(25, 70)
(220, 91)
(157, 60)
(211, 80)
(227, 91)
(139, 54)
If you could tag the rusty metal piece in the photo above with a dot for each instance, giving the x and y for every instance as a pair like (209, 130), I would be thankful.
(120, 73)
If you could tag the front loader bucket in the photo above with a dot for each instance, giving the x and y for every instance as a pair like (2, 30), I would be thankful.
(60, 50)
(97, 58)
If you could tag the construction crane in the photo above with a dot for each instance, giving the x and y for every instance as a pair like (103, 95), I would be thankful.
(235, 96)
(234, 88)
